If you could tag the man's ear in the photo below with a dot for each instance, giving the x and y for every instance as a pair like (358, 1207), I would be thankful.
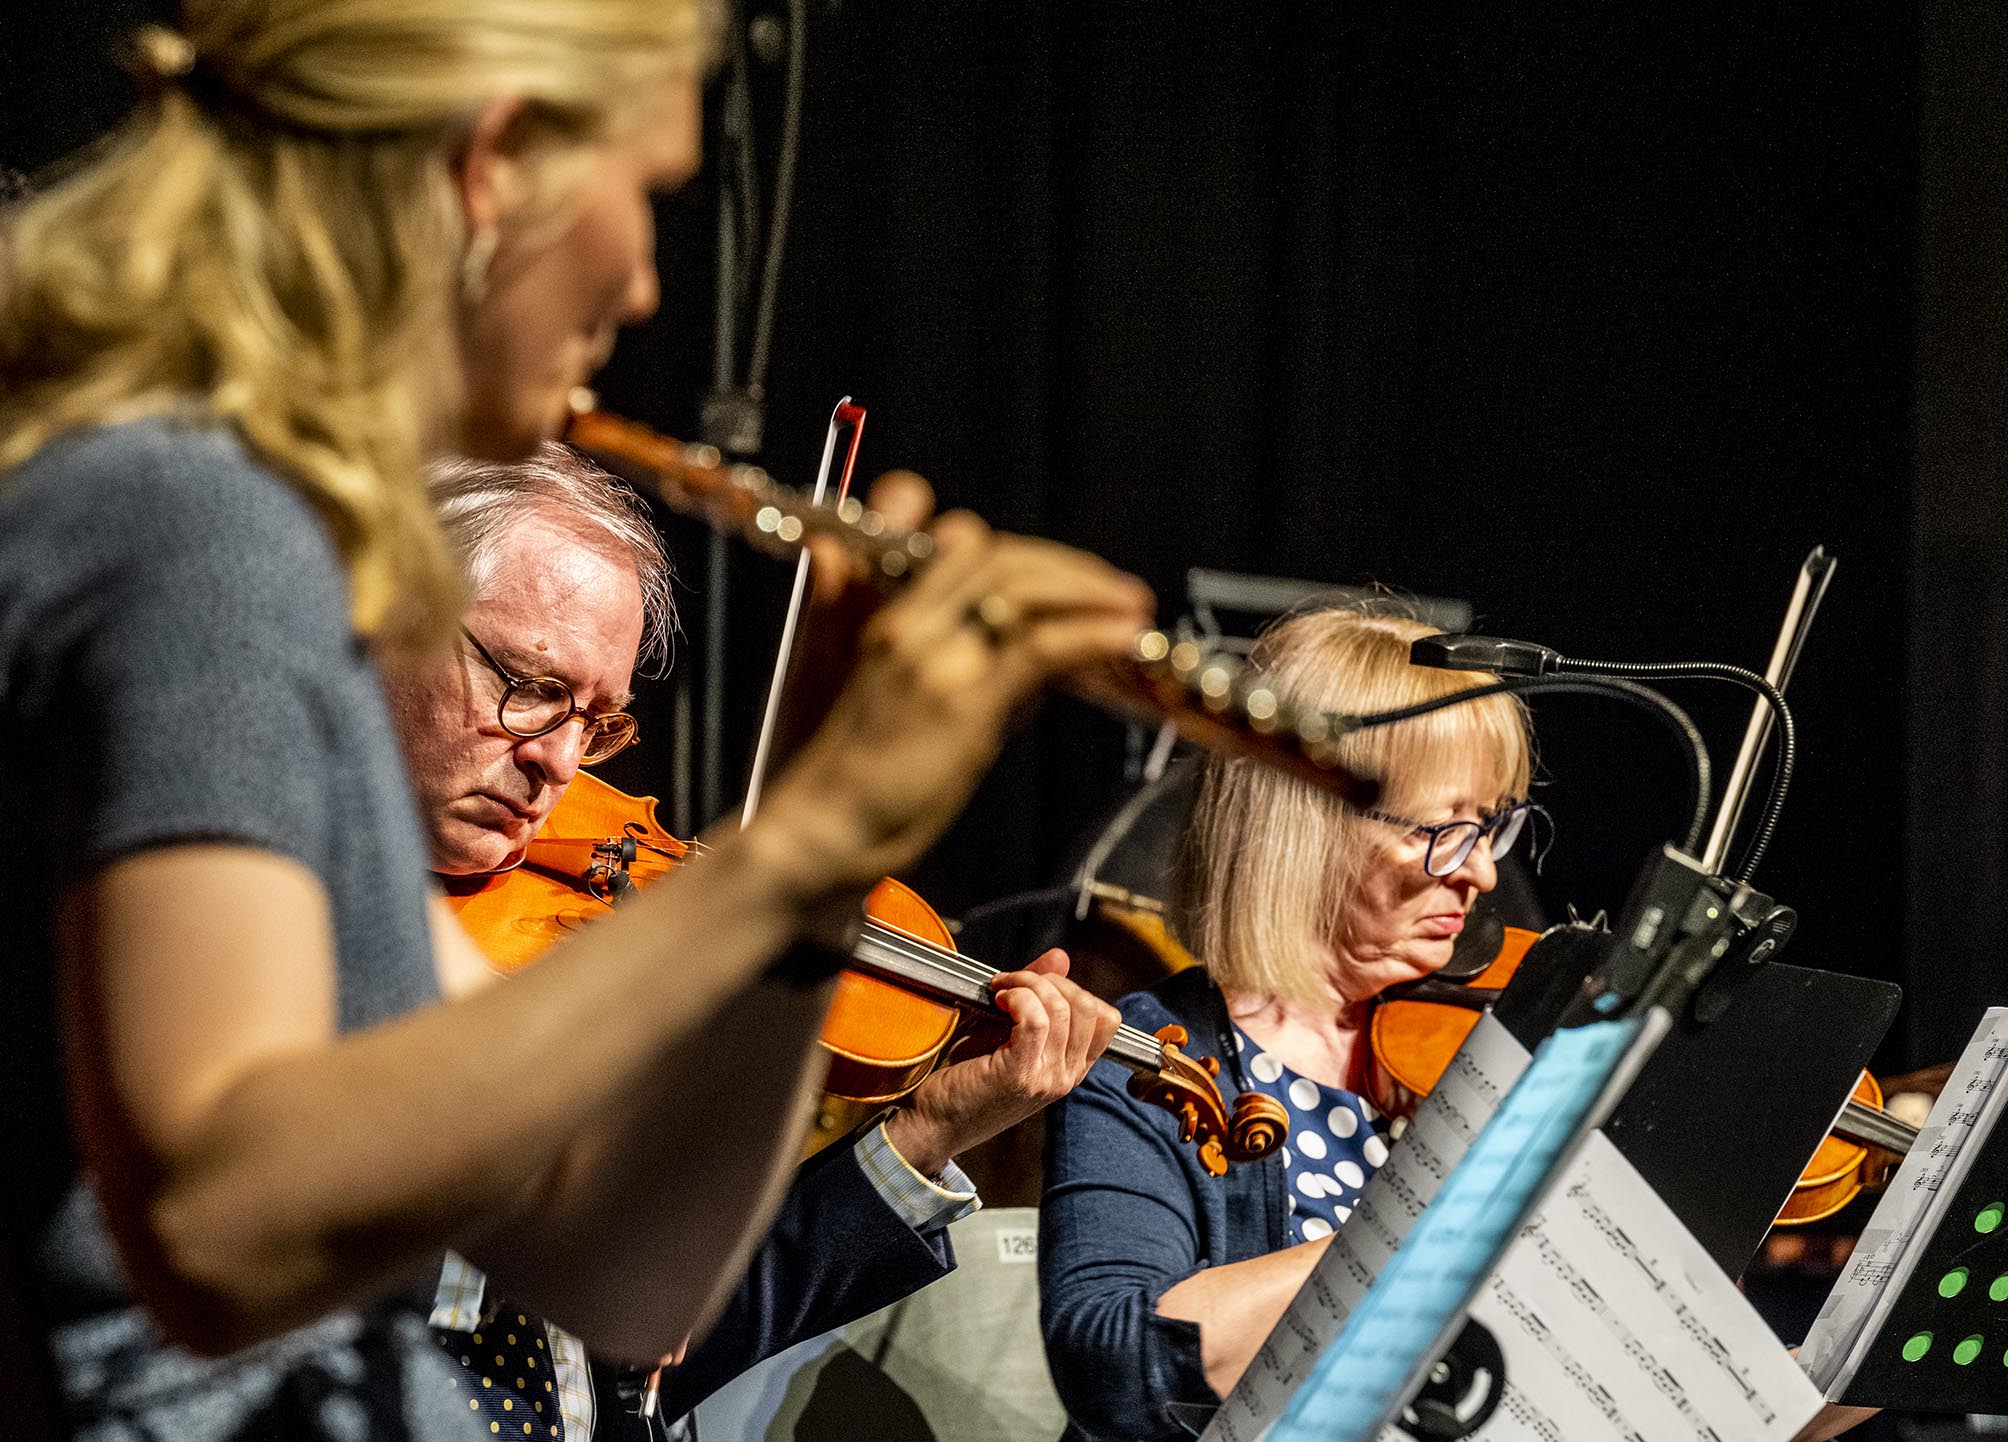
(488, 172)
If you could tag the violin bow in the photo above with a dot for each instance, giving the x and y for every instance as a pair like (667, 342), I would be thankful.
(1815, 575)
(845, 414)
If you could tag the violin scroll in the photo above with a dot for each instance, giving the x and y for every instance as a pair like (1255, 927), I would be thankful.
(1257, 1126)
(1189, 1088)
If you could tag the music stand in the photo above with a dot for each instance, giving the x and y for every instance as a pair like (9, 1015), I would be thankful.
(1724, 1116)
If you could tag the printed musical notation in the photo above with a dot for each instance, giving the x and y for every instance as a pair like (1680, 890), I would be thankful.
(1436, 1139)
(1910, 1210)
(1660, 1345)
(1613, 1321)
(1384, 1348)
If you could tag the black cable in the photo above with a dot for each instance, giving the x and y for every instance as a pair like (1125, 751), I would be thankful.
(1788, 739)
(1699, 770)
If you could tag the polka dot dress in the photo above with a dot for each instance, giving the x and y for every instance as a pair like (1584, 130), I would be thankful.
(505, 1380)
(1337, 1140)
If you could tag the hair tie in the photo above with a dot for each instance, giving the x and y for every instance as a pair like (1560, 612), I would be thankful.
(162, 59)
(162, 56)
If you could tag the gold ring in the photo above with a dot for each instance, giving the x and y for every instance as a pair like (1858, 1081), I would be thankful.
(995, 616)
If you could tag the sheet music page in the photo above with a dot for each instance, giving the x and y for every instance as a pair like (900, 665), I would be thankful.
(1386, 1345)
(1483, 1071)
(1909, 1210)
(1615, 1323)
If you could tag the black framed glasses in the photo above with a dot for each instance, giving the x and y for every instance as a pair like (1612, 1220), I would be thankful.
(533, 706)
(1452, 842)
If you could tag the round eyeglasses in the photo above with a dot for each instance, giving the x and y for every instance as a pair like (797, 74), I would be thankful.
(1452, 842)
(533, 706)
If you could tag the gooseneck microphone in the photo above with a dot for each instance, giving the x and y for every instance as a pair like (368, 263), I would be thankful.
(1505, 657)
(1485, 653)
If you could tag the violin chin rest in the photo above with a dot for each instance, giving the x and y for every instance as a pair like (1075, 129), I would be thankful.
(1477, 946)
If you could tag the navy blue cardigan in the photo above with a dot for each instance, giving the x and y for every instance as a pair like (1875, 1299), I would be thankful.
(1128, 1213)
(836, 1251)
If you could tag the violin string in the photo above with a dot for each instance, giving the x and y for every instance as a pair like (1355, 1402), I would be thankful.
(955, 965)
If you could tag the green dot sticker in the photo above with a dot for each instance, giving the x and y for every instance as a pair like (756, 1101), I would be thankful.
(1954, 1282)
(1968, 1349)
(1997, 1290)
(1989, 1218)
(1916, 1347)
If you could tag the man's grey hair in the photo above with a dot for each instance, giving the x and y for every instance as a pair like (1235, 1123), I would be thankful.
(480, 502)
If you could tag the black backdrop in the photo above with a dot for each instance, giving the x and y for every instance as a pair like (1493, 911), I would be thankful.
(1596, 316)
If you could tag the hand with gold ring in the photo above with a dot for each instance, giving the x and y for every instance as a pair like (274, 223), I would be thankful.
(995, 616)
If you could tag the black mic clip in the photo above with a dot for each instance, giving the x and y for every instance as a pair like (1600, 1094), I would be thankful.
(1760, 927)
(1687, 938)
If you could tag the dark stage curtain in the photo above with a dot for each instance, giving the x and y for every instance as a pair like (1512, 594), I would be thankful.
(1956, 626)
(1598, 320)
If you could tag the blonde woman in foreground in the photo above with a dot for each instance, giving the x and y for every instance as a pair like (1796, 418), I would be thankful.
(252, 1070)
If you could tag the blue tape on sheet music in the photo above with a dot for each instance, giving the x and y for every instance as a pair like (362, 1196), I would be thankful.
(1362, 1378)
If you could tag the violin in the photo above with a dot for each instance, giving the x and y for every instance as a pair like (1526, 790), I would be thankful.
(895, 1010)
(1418, 1026)
(596, 846)
(1856, 1156)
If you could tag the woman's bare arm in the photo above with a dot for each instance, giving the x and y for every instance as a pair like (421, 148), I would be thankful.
(1237, 1305)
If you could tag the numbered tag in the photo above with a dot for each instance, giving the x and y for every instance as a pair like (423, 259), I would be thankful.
(1018, 1244)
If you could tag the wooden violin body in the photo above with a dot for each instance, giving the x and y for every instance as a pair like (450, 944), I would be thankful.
(597, 839)
(1839, 1170)
(1413, 1036)
(884, 1040)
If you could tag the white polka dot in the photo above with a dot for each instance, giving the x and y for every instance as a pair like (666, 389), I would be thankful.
(1293, 1203)
(1286, 1159)
(1316, 1227)
(1304, 1094)
(1265, 1067)
(1367, 1110)
(1343, 1121)
(1240, 1041)
(1343, 1212)
(1349, 1172)
(1311, 1185)
(1312, 1144)
(1376, 1150)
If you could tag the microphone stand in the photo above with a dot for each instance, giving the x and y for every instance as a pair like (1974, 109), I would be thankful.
(733, 418)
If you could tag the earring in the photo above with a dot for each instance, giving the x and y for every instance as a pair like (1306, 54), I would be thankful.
(475, 262)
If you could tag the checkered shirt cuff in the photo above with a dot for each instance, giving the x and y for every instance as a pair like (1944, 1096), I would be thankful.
(456, 1301)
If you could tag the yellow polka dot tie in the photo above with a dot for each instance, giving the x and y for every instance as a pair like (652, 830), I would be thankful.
(505, 1376)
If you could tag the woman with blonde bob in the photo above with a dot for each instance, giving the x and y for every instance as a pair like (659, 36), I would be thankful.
(251, 1064)
(1158, 1282)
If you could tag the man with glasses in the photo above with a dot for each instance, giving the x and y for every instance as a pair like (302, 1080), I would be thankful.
(570, 593)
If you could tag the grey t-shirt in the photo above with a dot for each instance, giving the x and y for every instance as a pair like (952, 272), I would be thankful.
(176, 664)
